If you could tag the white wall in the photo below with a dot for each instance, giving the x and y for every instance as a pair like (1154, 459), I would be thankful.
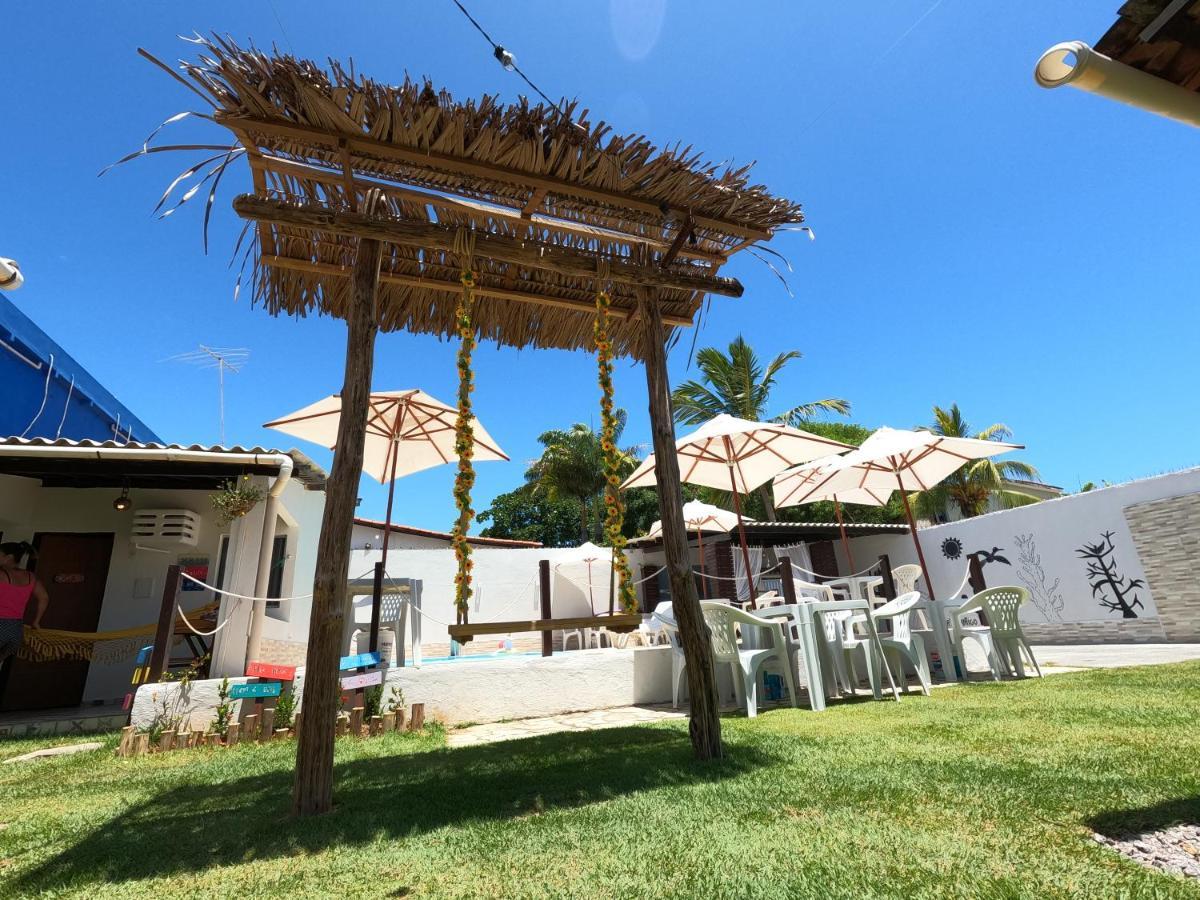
(1051, 531)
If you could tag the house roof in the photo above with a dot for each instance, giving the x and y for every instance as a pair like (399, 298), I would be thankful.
(446, 536)
(544, 205)
(763, 534)
(87, 463)
(1159, 37)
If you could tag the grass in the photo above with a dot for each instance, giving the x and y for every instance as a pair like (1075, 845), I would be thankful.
(983, 790)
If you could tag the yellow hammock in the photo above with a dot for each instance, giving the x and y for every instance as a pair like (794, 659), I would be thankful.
(49, 644)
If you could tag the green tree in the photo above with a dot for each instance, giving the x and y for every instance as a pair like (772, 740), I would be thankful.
(529, 515)
(571, 467)
(736, 383)
(975, 483)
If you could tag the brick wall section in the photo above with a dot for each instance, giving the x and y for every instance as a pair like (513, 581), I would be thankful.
(1123, 631)
(1167, 536)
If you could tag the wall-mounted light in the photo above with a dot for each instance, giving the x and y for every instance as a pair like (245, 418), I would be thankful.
(123, 502)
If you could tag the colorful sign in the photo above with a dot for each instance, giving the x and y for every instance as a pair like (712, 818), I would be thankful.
(359, 661)
(350, 682)
(196, 567)
(270, 670)
(262, 689)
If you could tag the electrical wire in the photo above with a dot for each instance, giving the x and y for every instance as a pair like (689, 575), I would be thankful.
(45, 397)
(506, 58)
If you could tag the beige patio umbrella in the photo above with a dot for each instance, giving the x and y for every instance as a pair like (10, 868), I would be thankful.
(793, 482)
(893, 459)
(728, 453)
(407, 431)
(701, 517)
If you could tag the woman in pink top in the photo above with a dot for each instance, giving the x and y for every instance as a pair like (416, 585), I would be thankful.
(16, 587)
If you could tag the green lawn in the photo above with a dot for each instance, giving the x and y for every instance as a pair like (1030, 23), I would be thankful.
(982, 790)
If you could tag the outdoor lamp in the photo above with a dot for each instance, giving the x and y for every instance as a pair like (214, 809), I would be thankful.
(123, 502)
(505, 58)
(10, 275)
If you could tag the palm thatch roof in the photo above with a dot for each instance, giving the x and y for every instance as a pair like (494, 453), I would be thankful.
(1160, 37)
(552, 203)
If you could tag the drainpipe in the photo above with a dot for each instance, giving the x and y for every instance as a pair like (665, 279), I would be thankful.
(258, 613)
(1077, 64)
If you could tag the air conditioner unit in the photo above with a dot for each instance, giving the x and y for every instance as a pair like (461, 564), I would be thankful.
(165, 527)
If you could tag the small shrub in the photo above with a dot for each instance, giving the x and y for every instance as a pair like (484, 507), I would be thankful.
(372, 701)
(285, 710)
(224, 710)
(395, 699)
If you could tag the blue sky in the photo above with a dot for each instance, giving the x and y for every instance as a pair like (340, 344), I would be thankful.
(1028, 254)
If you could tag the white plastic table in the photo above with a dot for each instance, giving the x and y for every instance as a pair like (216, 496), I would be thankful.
(857, 586)
(804, 614)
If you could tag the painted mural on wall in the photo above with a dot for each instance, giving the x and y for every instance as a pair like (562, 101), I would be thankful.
(1075, 555)
(1113, 590)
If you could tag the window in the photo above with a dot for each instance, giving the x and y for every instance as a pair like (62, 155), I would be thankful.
(278, 562)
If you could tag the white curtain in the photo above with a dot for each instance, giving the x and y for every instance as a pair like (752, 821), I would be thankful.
(739, 569)
(799, 555)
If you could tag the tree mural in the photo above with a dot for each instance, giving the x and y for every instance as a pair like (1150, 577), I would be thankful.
(1114, 591)
(1043, 593)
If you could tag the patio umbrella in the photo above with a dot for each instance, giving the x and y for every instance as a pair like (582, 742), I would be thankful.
(407, 431)
(892, 459)
(586, 553)
(728, 453)
(700, 517)
(793, 482)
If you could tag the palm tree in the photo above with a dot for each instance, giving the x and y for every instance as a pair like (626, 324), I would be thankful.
(971, 486)
(572, 467)
(736, 383)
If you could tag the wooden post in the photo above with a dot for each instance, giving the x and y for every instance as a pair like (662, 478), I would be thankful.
(164, 635)
(376, 602)
(889, 584)
(975, 579)
(912, 525)
(400, 719)
(418, 717)
(232, 733)
(197, 738)
(376, 727)
(389, 722)
(705, 724)
(547, 609)
(343, 722)
(787, 580)
(126, 744)
(141, 744)
(266, 727)
(296, 725)
(312, 789)
(250, 727)
(166, 740)
(182, 737)
(356, 720)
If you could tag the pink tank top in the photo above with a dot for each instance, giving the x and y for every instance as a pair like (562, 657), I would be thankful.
(14, 598)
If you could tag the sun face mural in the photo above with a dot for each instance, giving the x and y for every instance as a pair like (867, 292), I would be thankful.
(952, 548)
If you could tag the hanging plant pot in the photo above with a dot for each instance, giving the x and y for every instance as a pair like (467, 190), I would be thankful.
(235, 499)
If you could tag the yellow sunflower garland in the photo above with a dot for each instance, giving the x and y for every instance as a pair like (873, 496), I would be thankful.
(614, 509)
(464, 447)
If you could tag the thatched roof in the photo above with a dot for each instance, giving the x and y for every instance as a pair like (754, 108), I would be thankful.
(549, 200)
(1159, 37)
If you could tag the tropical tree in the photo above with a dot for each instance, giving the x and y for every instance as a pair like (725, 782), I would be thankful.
(975, 483)
(527, 514)
(736, 383)
(572, 467)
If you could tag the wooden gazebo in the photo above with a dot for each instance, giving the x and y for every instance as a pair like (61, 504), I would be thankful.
(373, 202)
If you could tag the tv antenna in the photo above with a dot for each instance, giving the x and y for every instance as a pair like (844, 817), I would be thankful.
(223, 359)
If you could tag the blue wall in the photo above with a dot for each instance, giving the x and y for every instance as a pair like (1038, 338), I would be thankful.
(76, 405)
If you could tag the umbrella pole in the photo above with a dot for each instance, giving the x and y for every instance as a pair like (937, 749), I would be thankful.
(387, 520)
(737, 508)
(837, 509)
(912, 525)
(703, 574)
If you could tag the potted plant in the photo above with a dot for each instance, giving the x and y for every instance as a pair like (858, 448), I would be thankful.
(235, 498)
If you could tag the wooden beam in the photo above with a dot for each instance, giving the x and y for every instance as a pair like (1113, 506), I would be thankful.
(519, 217)
(535, 200)
(705, 725)
(428, 235)
(428, 159)
(618, 622)
(312, 790)
(454, 287)
(686, 228)
(164, 634)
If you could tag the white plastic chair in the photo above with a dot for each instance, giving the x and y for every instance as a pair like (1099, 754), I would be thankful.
(905, 578)
(903, 641)
(1002, 638)
(664, 615)
(723, 621)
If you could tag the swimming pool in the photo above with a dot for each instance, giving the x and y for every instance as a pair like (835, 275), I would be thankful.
(478, 656)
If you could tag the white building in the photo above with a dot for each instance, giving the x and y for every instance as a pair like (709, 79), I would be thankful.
(105, 567)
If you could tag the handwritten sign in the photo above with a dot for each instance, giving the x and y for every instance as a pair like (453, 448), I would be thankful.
(263, 689)
(359, 661)
(270, 670)
(350, 682)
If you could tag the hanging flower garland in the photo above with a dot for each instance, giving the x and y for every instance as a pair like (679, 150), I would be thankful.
(464, 447)
(614, 509)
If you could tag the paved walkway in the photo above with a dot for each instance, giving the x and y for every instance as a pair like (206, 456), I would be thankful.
(1054, 660)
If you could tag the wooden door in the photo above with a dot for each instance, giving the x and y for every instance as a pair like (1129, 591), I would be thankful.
(74, 569)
